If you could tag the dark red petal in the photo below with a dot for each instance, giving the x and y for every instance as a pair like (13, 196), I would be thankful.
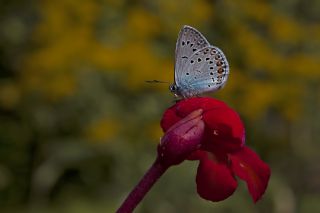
(224, 130)
(215, 181)
(169, 118)
(197, 155)
(185, 107)
(247, 165)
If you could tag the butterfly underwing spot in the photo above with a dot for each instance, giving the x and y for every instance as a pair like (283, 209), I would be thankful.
(194, 49)
(208, 85)
(188, 42)
(199, 59)
(211, 73)
(192, 61)
(182, 43)
(210, 62)
(219, 63)
(207, 59)
(213, 52)
(220, 70)
(191, 45)
(187, 73)
(219, 80)
(184, 57)
(211, 68)
(200, 42)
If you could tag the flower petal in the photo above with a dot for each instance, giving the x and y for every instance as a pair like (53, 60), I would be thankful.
(184, 107)
(247, 165)
(215, 181)
(169, 118)
(197, 155)
(224, 130)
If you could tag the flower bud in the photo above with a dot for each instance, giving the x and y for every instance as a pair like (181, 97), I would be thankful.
(181, 139)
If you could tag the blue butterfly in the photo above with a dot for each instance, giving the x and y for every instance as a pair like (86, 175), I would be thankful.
(199, 66)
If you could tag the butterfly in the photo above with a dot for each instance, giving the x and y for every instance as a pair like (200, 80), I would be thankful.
(199, 66)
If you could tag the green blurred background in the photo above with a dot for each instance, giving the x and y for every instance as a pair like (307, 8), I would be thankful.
(79, 126)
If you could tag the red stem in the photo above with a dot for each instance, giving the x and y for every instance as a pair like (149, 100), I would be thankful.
(145, 184)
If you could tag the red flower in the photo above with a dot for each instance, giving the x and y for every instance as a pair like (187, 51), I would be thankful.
(207, 130)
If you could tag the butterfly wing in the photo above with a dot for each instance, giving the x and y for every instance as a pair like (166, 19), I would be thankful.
(189, 41)
(206, 70)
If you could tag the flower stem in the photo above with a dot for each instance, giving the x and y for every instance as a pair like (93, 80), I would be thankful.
(145, 184)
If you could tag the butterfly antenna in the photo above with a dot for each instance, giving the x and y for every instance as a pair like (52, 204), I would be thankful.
(156, 81)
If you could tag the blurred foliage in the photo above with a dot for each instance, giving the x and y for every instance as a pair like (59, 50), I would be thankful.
(79, 126)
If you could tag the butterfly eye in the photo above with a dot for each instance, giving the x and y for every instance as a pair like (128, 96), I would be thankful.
(173, 88)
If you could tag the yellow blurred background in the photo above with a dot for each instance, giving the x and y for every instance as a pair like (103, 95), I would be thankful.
(79, 126)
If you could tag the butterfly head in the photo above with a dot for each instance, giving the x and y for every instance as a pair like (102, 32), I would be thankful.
(174, 89)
